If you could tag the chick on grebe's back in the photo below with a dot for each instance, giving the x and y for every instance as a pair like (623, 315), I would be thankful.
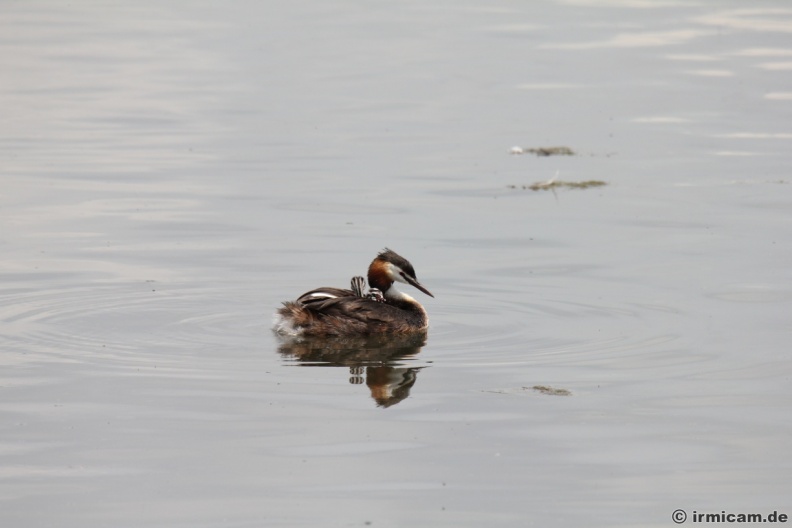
(339, 312)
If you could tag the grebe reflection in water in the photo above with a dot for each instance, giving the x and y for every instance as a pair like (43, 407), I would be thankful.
(338, 312)
(386, 363)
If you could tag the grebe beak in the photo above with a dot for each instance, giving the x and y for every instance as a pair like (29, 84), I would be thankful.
(416, 284)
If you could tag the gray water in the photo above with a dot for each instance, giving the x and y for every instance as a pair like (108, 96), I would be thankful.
(172, 171)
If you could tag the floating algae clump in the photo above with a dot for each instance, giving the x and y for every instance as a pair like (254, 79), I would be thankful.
(543, 186)
(544, 151)
(553, 183)
(552, 391)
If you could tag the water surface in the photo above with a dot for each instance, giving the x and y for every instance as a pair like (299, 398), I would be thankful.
(172, 172)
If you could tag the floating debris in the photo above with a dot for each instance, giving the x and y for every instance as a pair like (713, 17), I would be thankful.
(544, 389)
(551, 391)
(543, 151)
(543, 186)
(552, 183)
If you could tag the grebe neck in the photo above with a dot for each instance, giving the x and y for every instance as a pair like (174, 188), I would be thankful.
(403, 301)
(393, 294)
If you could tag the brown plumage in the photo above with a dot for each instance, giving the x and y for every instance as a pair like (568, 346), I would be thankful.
(339, 312)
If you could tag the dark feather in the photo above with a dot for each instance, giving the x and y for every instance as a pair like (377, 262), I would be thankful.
(350, 315)
(323, 294)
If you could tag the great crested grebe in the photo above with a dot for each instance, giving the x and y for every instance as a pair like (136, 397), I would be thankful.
(338, 312)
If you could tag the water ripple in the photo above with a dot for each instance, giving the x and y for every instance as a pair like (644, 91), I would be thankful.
(94, 322)
(513, 331)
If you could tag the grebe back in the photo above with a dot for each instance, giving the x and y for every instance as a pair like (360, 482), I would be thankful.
(339, 312)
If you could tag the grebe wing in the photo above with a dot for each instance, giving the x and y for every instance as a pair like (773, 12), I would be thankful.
(320, 295)
(352, 307)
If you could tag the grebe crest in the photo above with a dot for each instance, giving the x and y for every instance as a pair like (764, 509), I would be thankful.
(339, 312)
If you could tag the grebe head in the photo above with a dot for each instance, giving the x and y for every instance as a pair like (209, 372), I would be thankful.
(389, 267)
